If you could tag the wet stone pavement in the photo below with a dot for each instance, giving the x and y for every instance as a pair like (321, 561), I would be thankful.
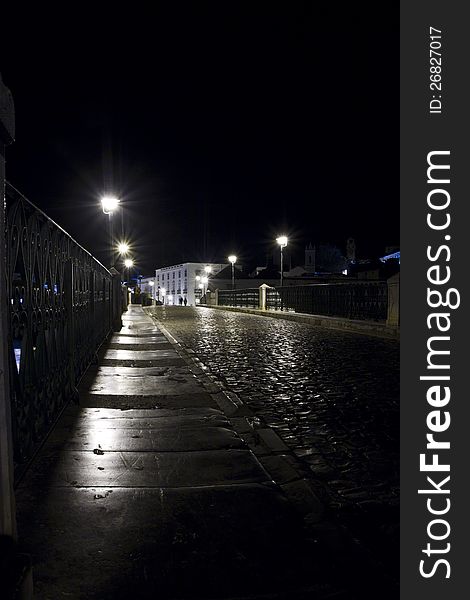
(148, 489)
(332, 397)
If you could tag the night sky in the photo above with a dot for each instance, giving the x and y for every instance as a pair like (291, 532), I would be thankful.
(220, 125)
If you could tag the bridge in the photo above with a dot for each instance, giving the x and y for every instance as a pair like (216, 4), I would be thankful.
(184, 452)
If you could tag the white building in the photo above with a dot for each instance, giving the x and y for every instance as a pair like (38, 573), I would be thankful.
(147, 285)
(186, 280)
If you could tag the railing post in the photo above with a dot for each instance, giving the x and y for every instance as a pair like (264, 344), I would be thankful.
(262, 296)
(7, 498)
(393, 307)
(116, 306)
(68, 292)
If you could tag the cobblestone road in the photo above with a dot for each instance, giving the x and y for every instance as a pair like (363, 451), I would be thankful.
(333, 397)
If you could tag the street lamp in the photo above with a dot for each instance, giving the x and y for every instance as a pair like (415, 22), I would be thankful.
(109, 204)
(129, 263)
(123, 248)
(152, 284)
(208, 270)
(163, 291)
(233, 259)
(205, 281)
(282, 241)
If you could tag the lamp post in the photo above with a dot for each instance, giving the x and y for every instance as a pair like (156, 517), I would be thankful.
(152, 285)
(163, 291)
(282, 241)
(233, 259)
(129, 263)
(205, 281)
(109, 204)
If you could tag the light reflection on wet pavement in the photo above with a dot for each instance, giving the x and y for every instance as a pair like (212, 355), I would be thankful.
(333, 397)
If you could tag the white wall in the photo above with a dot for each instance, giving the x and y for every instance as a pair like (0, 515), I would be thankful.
(180, 281)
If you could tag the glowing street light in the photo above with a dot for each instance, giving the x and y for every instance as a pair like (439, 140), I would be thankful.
(109, 204)
(282, 241)
(129, 263)
(233, 259)
(208, 269)
(123, 248)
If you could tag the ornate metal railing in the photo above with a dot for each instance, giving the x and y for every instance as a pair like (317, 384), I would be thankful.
(246, 298)
(61, 310)
(358, 300)
(366, 300)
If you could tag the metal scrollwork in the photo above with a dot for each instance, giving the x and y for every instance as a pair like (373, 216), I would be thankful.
(60, 313)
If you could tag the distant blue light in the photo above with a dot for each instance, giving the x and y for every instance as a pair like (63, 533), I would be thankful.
(395, 255)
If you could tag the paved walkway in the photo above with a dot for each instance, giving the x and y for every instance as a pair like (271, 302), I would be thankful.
(147, 490)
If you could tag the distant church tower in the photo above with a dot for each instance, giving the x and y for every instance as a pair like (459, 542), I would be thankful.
(310, 258)
(351, 250)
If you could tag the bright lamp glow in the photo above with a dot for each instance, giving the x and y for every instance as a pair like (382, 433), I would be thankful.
(205, 279)
(208, 269)
(152, 283)
(200, 286)
(282, 241)
(109, 204)
(128, 263)
(123, 248)
(232, 259)
(198, 278)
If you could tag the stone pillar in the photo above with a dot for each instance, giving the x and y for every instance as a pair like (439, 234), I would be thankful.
(262, 296)
(7, 499)
(393, 309)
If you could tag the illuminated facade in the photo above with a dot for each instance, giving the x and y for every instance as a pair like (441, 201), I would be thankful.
(183, 281)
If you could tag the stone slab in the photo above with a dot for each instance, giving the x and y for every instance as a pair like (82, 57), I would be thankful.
(134, 339)
(102, 415)
(163, 438)
(138, 355)
(225, 542)
(145, 469)
(162, 345)
(174, 361)
(197, 400)
(137, 371)
(141, 332)
(121, 385)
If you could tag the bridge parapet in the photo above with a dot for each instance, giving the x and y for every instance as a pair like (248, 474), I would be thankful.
(63, 303)
(368, 300)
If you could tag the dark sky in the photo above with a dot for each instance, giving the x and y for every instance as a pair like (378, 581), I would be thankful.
(220, 125)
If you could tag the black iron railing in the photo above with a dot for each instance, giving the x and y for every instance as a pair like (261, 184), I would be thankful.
(61, 311)
(358, 300)
(366, 300)
(247, 298)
